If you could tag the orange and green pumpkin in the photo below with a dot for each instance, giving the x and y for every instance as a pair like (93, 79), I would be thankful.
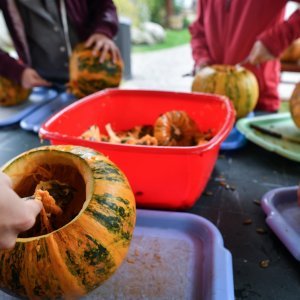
(237, 83)
(88, 75)
(89, 239)
(12, 93)
(294, 105)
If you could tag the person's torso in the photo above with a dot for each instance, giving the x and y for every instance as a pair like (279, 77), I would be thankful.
(47, 39)
(232, 26)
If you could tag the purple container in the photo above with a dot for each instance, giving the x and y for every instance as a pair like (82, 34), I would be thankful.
(283, 216)
(172, 256)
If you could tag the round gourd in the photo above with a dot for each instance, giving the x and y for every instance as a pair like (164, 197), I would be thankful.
(237, 83)
(175, 128)
(291, 53)
(294, 105)
(12, 93)
(88, 75)
(90, 238)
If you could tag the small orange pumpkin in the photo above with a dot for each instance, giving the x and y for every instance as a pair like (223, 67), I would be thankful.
(175, 128)
(12, 93)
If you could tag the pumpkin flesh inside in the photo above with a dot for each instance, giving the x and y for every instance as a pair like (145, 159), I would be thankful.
(63, 181)
(68, 191)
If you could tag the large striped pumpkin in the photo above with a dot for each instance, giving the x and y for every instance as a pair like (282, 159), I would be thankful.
(294, 105)
(95, 229)
(12, 93)
(237, 83)
(88, 75)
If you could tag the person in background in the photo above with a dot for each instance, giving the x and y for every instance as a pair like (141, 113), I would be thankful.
(250, 32)
(45, 31)
(16, 214)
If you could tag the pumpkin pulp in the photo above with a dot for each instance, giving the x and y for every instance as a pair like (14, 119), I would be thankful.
(68, 191)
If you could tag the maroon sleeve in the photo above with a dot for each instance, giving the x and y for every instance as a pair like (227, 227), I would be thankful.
(103, 17)
(93, 16)
(281, 36)
(10, 67)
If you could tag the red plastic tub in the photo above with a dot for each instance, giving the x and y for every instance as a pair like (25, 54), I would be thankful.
(161, 177)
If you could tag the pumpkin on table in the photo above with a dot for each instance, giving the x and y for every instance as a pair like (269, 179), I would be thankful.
(89, 234)
(294, 105)
(237, 83)
(12, 93)
(88, 75)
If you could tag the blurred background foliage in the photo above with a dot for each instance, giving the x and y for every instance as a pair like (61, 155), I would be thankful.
(157, 11)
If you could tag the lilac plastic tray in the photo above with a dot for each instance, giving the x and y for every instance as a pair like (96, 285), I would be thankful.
(172, 256)
(283, 216)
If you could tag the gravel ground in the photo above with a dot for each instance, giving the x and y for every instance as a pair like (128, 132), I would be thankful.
(161, 70)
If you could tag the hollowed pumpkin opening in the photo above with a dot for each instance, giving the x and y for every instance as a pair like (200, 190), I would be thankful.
(62, 179)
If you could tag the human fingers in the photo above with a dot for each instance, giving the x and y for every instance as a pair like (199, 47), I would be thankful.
(89, 42)
(110, 47)
(116, 54)
(104, 52)
(37, 80)
(5, 179)
(30, 78)
(41, 82)
(98, 46)
(8, 239)
(31, 209)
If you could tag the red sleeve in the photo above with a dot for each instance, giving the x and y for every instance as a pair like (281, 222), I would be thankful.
(281, 36)
(198, 40)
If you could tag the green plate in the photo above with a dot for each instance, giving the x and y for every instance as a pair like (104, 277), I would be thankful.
(287, 139)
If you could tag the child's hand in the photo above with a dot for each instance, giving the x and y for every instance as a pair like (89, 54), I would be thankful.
(101, 42)
(30, 79)
(16, 214)
(259, 54)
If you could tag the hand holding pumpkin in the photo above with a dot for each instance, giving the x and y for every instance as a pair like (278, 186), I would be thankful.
(259, 54)
(17, 215)
(30, 78)
(102, 43)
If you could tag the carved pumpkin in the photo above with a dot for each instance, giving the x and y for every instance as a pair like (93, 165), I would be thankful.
(294, 105)
(88, 75)
(237, 83)
(291, 53)
(91, 236)
(12, 93)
